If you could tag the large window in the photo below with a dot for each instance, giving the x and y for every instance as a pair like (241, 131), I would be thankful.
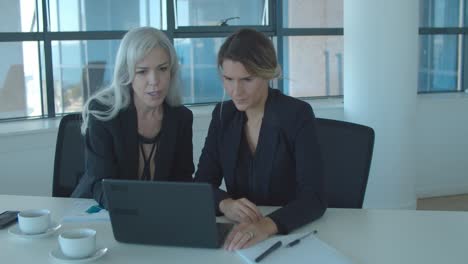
(442, 45)
(311, 36)
(56, 53)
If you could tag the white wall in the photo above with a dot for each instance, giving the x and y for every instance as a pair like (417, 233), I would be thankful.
(26, 162)
(26, 157)
(442, 145)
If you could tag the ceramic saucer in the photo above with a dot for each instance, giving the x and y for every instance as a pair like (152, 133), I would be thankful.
(15, 230)
(58, 255)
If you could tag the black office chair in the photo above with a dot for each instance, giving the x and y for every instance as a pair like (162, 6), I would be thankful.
(347, 153)
(69, 156)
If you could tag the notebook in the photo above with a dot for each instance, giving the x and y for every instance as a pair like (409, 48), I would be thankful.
(310, 250)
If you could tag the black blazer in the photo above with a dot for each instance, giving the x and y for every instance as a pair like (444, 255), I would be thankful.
(288, 160)
(112, 150)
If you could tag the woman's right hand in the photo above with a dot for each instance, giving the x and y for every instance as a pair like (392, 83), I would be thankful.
(240, 210)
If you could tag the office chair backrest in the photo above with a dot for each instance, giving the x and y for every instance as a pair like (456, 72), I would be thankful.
(69, 156)
(347, 153)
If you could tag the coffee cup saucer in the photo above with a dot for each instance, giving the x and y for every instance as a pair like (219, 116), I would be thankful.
(58, 255)
(15, 230)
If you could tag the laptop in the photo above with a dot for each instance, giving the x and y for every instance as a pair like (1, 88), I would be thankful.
(164, 213)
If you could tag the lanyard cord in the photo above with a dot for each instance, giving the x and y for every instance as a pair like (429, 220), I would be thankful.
(146, 174)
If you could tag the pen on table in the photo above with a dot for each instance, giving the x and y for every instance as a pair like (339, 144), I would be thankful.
(268, 251)
(296, 241)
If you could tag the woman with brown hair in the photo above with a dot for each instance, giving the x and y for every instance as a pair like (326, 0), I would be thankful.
(263, 144)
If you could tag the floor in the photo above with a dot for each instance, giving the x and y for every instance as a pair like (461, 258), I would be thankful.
(444, 203)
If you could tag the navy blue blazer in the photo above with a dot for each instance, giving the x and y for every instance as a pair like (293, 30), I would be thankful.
(288, 162)
(112, 150)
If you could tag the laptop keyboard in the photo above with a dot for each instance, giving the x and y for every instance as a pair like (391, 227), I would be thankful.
(223, 231)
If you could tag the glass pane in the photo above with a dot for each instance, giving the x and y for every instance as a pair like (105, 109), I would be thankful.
(438, 59)
(465, 13)
(20, 81)
(313, 66)
(80, 68)
(200, 78)
(313, 13)
(19, 16)
(217, 12)
(79, 15)
(275, 82)
(439, 13)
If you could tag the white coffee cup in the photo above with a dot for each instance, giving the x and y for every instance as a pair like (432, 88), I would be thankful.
(34, 221)
(78, 243)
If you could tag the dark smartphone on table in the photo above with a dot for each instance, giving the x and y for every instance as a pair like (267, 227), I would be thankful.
(7, 218)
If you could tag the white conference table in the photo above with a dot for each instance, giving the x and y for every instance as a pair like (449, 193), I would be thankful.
(366, 236)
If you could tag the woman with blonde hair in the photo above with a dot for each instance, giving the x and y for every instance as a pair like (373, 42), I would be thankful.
(137, 128)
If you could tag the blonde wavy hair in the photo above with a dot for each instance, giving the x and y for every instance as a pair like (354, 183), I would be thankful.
(135, 45)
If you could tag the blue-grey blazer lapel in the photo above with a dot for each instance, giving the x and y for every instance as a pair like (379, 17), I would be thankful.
(167, 144)
(129, 126)
(266, 150)
(230, 147)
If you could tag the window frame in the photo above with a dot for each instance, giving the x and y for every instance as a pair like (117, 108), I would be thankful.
(274, 29)
(461, 31)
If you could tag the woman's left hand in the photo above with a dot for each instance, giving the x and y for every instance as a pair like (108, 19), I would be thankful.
(245, 235)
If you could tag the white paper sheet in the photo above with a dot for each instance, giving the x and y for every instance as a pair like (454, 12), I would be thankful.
(310, 250)
(78, 213)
